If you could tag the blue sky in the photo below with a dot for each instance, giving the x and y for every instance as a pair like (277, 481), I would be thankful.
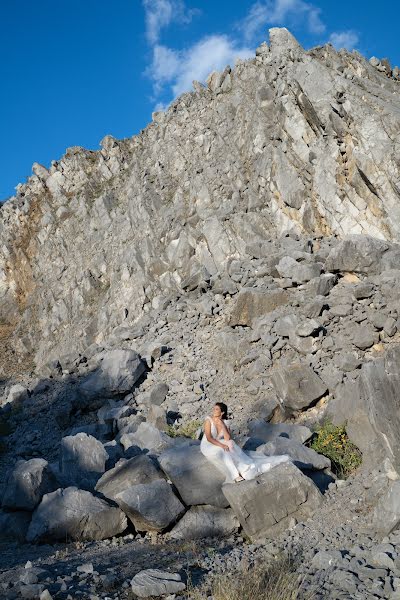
(72, 71)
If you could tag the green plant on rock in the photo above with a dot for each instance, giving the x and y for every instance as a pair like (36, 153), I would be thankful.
(188, 429)
(332, 441)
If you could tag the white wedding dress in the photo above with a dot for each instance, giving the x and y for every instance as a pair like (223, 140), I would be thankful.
(237, 462)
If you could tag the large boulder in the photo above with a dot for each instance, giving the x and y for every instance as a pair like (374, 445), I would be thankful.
(125, 474)
(196, 479)
(117, 374)
(82, 461)
(261, 432)
(297, 385)
(150, 506)
(28, 482)
(153, 582)
(73, 514)
(358, 253)
(273, 502)
(253, 303)
(150, 439)
(302, 457)
(299, 272)
(370, 407)
(386, 515)
(205, 522)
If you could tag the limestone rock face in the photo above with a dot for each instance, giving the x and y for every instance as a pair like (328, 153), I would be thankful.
(98, 239)
(273, 502)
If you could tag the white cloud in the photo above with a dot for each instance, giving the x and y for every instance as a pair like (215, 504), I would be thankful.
(159, 14)
(344, 39)
(176, 69)
(279, 12)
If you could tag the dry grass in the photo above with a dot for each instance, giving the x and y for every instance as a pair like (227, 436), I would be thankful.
(273, 581)
(188, 429)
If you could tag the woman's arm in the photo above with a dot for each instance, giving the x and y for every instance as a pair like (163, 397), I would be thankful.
(226, 432)
(207, 433)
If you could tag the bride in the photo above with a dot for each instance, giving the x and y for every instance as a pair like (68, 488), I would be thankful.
(219, 448)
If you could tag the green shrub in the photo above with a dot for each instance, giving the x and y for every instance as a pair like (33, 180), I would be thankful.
(188, 429)
(332, 441)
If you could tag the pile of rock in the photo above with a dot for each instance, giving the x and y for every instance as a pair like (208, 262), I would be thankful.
(167, 486)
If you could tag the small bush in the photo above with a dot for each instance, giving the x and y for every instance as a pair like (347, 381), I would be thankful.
(275, 581)
(188, 429)
(332, 441)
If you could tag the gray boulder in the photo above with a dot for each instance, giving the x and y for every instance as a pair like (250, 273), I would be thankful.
(117, 374)
(297, 385)
(205, 522)
(362, 336)
(266, 432)
(153, 582)
(347, 361)
(72, 514)
(386, 515)
(14, 526)
(150, 506)
(273, 502)
(157, 394)
(303, 457)
(196, 479)
(149, 438)
(357, 253)
(82, 461)
(126, 473)
(253, 303)
(28, 482)
(298, 272)
(369, 406)
(157, 417)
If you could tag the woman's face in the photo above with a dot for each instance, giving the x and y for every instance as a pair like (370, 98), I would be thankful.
(217, 412)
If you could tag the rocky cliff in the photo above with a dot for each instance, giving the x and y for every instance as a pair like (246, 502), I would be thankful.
(297, 140)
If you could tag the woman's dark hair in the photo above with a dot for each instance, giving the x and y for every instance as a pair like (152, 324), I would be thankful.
(224, 409)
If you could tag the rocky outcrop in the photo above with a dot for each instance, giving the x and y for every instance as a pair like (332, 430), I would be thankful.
(370, 406)
(273, 501)
(316, 154)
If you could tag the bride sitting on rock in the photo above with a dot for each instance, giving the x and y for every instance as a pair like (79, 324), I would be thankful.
(219, 448)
